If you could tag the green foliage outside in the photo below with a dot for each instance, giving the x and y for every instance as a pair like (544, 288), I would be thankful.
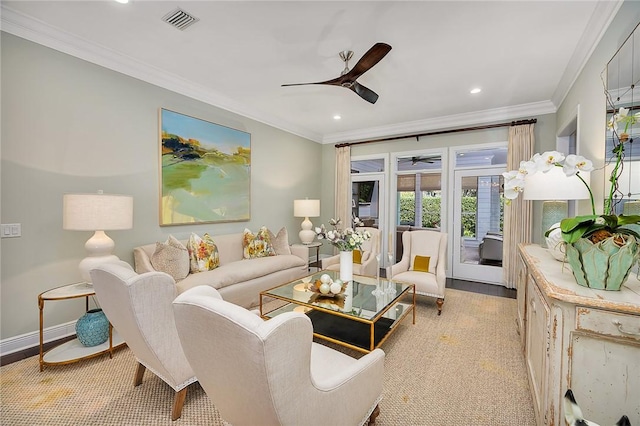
(431, 212)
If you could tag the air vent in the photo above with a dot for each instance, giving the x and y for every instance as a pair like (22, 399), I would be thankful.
(179, 19)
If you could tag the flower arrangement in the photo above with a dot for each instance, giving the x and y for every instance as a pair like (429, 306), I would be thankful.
(343, 239)
(595, 227)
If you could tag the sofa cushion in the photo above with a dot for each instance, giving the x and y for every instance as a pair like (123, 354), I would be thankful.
(171, 257)
(257, 245)
(280, 241)
(241, 271)
(203, 253)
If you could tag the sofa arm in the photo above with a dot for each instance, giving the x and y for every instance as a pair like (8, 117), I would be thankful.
(301, 251)
(142, 261)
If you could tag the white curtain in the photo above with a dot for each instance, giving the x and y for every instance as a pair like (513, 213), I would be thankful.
(517, 215)
(343, 185)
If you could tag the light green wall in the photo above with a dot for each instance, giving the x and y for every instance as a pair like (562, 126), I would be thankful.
(587, 94)
(71, 126)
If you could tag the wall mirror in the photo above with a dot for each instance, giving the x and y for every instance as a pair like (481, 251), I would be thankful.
(621, 78)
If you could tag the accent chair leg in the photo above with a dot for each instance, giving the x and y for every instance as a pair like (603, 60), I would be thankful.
(178, 402)
(374, 415)
(139, 373)
(439, 302)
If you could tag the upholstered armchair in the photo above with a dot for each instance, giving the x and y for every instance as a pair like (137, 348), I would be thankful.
(271, 372)
(490, 248)
(423, 263)
(139, 307)
(368, 262)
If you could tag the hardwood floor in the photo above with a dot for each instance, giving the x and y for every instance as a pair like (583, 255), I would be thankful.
(491, 289)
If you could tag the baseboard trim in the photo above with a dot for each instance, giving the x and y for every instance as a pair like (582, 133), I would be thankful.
(29, 340)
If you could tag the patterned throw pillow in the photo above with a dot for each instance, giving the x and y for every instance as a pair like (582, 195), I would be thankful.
(280, 242)
(203, 253)
(171, 257)
(357, 257)
(258, 245)
(421, 263)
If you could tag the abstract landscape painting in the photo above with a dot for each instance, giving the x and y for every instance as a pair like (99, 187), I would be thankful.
(205, 171)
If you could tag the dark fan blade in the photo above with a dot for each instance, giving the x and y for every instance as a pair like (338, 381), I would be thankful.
(368, 60)
(334, 82)
(364, 92)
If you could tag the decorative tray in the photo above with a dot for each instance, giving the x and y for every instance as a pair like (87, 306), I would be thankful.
(314, 287)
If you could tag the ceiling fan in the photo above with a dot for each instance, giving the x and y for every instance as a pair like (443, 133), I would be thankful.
(348, 77)
(416, 160)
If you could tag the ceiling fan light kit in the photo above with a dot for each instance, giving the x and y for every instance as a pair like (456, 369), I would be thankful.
(348, 76)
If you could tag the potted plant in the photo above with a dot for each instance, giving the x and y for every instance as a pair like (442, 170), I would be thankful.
(600, 249)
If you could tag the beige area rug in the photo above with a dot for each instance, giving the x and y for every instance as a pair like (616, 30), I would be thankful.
(462, 368)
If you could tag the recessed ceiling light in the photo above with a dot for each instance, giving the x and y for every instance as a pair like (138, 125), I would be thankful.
(475, 90)
(337, 117)
(123, 1)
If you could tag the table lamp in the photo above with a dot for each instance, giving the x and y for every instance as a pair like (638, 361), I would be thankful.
(306, 208)
(97, 212)
(555, 188)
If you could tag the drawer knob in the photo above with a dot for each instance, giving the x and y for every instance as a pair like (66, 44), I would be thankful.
(623, 331)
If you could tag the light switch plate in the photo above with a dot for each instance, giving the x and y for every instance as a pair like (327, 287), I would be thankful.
(11, 230)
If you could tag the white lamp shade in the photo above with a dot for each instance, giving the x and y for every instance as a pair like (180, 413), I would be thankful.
(92, 212)
(555, 185)
(306, 208)
(97, 212)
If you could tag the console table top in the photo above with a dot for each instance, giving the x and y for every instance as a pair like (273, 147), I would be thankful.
(556, 280)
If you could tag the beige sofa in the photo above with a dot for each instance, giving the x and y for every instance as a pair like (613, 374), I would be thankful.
(238, 280)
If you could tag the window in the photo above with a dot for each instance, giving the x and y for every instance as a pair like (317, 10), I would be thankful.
(419, 200)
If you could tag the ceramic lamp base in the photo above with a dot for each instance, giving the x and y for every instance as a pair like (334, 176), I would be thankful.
(552, 212)
(306, 234)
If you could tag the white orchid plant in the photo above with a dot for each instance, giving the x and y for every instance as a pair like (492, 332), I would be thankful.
(343, 239)
(622, 116)
(594, 226)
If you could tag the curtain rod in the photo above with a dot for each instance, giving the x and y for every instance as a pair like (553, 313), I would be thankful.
(441, 132)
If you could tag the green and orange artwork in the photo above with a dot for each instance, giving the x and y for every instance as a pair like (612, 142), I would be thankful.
(205, 171)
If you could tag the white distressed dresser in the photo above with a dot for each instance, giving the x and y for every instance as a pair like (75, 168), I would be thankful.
(578, 338)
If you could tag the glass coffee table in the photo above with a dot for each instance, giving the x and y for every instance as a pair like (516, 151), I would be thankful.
(361, 317)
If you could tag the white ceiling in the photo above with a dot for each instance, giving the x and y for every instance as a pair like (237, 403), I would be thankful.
(523, 54)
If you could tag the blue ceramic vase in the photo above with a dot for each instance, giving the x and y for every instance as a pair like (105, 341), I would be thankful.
(92, 328)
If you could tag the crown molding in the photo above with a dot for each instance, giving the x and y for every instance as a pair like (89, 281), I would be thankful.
(23, 26)
(445, 122)
(598, 24)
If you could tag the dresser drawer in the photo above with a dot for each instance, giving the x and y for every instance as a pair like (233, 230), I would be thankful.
(608, 323)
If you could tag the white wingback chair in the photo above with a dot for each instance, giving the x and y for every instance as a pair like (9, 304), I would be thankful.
(139, 307)
(271, 372)
(430, 244)
(368, 264)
